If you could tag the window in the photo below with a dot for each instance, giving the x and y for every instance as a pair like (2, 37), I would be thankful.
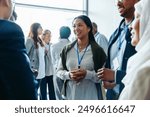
(69, 4)
(51, 14)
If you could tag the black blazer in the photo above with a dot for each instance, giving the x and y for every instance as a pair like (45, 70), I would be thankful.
(129, 51)
(16, 78)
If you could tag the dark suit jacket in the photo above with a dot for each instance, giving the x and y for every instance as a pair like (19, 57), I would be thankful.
(16, 78)
(129, 51)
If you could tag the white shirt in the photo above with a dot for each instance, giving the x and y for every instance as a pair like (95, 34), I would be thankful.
(102, 41)
(41, 71)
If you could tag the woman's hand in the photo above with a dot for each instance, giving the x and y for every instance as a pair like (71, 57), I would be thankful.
(77, 74)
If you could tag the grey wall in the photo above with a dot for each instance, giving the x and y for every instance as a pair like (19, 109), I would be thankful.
(104, 13)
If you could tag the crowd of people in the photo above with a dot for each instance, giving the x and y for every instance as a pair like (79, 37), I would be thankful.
(91, 67)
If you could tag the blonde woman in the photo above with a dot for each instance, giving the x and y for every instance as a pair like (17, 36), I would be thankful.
(48, 79)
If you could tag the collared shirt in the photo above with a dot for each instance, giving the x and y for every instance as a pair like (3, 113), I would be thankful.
(101, 41)
(118, 48)
(41, 71)
(117, 51)
(56, 50)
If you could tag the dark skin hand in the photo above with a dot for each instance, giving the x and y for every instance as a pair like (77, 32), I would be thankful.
(77, 74)
(106, 74)
(109, 85)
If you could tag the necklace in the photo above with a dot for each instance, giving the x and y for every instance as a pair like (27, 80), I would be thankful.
(82, 46)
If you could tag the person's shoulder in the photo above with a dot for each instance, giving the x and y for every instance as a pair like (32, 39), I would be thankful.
(102, 35)
(69, 46)
(143, 73)
(96, 47)
(145, 65)
(54, 45)
(10, 24)
(94, 44)
(117, 28)
(10, 28)
(29, 41)
(64, 42)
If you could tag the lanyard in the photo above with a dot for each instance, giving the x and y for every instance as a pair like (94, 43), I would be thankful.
(80, 58)
(122, 37)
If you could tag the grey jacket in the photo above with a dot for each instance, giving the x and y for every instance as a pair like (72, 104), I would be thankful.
(48, 61)
(32, 53)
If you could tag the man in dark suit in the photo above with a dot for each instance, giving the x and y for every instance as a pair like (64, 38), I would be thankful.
(119, 51)
(16, 78)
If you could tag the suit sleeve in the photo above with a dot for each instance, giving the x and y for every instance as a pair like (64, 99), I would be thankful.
(18, 80)
(119, 76)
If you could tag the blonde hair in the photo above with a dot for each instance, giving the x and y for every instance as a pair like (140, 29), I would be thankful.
(45, 33)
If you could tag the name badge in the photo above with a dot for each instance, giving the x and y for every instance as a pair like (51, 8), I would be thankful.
(116, 63)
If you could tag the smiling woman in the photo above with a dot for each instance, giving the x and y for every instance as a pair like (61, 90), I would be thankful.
(78, 66)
